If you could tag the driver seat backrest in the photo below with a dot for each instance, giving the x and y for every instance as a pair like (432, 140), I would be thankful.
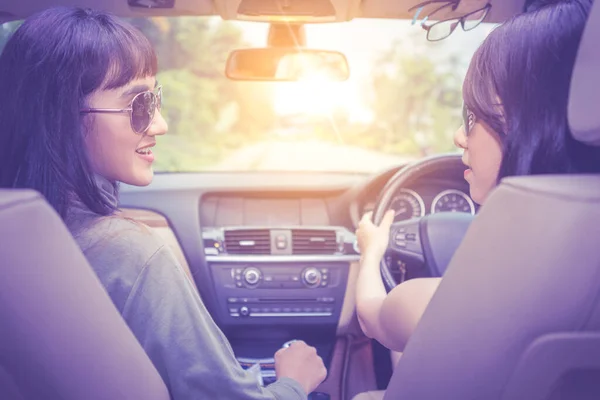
(60, 335)
(517, 315)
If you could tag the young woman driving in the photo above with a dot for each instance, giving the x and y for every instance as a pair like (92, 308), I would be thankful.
(515, 123)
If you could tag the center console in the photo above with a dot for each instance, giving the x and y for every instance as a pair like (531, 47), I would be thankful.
(279, 270)
(288, 283)
(279, 290)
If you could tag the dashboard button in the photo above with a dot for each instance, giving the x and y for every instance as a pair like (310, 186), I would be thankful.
(252, 276)
(311, 277)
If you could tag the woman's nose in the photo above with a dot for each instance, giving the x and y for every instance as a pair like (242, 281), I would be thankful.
(460, 139)
(159, 126)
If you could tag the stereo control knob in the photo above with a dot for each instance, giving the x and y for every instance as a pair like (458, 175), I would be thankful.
(311, 277)
(251, 276)
(244, 311)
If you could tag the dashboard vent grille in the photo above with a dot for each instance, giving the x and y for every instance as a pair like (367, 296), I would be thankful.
(314, 241)
(248, 241)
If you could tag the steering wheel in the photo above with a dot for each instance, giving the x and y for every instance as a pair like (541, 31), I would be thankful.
(428, 241)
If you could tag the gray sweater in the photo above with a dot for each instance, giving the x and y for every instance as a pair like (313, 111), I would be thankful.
(162, 308)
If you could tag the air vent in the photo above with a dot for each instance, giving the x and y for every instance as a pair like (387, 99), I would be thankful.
(313, 241)
(248, 241)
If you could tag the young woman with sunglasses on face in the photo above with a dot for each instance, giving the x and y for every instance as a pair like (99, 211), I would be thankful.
(80, 112)
(515, 123)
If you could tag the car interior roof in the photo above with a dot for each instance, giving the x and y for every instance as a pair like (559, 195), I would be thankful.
(345, 10)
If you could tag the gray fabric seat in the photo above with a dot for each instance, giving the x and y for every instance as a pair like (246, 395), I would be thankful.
(60, 335)
(517, 315)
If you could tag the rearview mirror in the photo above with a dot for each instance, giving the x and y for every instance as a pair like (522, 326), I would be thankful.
(286, 64)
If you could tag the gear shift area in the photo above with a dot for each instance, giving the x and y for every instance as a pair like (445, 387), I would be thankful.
(264, 370)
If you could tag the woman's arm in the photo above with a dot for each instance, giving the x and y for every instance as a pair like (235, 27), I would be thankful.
(185, 345)
(402, 310)
(160, 305)
(388, 318)
(370, 295)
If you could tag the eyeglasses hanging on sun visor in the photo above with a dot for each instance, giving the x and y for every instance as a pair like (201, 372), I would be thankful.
(442, 29)
(437, 5)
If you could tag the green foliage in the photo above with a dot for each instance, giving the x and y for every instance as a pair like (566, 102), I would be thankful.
(191, 103)
(191, 55)
(417, 101)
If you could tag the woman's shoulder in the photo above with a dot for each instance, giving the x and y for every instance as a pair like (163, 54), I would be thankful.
(119, 250)
(115, 233)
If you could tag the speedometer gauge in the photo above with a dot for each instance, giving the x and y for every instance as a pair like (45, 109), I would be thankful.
(407, 204)
(452, 201)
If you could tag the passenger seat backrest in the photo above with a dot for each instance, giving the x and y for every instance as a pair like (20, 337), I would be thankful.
(60, 335)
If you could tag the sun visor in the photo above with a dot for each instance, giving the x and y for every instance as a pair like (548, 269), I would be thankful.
(584, 97)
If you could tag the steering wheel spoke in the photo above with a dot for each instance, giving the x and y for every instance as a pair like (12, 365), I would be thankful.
(405, 240)
(429, 241)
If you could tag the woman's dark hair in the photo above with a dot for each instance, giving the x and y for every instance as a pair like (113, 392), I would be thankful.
(49, 66)
(518, 84)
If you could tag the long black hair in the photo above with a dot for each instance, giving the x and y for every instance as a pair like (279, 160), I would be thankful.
(518, 84)
(48, 68)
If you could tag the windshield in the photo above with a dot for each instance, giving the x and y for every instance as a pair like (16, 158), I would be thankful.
(402, 102)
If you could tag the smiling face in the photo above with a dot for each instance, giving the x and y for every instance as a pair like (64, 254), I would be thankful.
(482, 154)
(115, 151)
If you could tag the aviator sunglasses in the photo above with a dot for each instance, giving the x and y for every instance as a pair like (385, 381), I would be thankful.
(141, 109)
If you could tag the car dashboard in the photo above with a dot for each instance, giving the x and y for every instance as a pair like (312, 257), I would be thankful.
(274, 255)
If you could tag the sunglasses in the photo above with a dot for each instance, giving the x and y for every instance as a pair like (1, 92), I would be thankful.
(442, 29)
(141, 109)
(469, 119)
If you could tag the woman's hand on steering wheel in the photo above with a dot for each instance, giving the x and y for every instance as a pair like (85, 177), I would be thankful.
(373, 239)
